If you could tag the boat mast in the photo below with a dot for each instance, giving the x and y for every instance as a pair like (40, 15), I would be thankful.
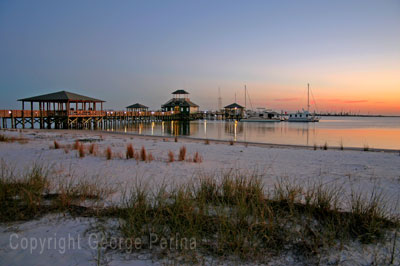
(245, 97)
(219, 99)
(308, 97)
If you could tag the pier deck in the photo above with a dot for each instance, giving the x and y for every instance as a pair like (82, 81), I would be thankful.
(80, 118)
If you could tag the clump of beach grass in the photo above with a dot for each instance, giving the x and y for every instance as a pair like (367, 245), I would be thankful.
(76, 144)
(130, 152)
(57, 145)
(171, 157)
(30, 194)
(4, 138)
(325, 146)
(182, 153)
(150, 157)
(93, 149)
(109, 153)
(197, 158)
(234, 215)
(81, 151)
(21, 197)
(143, 154)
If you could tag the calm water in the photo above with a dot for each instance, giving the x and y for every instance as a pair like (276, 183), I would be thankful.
(374, 132)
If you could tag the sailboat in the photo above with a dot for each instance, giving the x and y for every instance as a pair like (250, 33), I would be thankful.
(305, 115)
(261, 115)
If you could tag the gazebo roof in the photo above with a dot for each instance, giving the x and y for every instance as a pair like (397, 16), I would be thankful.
(137, 106)
(180, 92)
(234, 105)
(179, 102)
(61, 96)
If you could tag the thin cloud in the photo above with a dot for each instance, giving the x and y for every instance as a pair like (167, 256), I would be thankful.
(286, 99)
(357, 101)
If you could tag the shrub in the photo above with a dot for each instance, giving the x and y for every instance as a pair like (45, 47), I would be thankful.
(325, 147)
(150, 157)
(182, 153)
(171, 157)
(109, 153)
(197, 158)
(130, 152)
(3, 138)
(76, 144)
(81, 151)
(56, 145)
(143, 154)
(93, 149)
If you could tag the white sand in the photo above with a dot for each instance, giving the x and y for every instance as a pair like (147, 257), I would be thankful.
(353, 170)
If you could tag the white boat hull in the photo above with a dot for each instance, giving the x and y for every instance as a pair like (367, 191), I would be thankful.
(260, 120)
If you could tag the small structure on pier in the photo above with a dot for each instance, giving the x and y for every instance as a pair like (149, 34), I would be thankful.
(234, 111)
(137, 107)
(181, 102)
(61, 108)
(63, 101)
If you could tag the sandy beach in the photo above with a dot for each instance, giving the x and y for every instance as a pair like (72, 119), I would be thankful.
(350, 170)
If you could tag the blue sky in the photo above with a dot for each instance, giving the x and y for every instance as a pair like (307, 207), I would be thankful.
(140, 51)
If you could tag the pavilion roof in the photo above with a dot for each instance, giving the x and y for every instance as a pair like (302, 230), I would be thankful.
(61, 96)
(180, 92)
(179, 102)
(137, 106)
(234, 105)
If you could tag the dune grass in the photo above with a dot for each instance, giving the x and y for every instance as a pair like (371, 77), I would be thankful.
(109, 153)
(235, 216)
(231, 214)
(130, 152)
(57, 145)
(4, 138)
(182, 153)
(143, 154)
(33, 195)
(171, 157)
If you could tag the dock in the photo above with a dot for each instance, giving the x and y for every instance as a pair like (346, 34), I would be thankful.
(79, 119)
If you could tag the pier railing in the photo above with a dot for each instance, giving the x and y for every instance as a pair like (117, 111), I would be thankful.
(81, 113)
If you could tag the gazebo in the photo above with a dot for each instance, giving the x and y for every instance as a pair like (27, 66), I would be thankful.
(234, 110)
(181, 102)
(62, 104)
(137, 107)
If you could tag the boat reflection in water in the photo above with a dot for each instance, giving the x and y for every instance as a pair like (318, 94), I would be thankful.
(352, 132)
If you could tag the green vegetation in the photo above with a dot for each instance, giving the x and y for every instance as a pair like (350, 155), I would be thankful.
(228, 215)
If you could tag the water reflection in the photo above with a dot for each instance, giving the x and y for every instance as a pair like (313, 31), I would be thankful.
(355, 134)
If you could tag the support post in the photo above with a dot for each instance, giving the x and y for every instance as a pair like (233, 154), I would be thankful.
(23, 114)
(32, 116)
(41, 114)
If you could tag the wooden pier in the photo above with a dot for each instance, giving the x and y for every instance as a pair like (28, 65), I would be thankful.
(79, 119)
(67, 110)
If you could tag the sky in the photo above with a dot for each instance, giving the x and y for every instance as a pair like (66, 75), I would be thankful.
(140, 51)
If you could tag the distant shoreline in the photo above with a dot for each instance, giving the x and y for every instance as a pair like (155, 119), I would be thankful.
(358, 115)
